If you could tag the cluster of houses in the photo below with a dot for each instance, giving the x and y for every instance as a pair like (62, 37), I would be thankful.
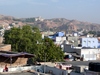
(86, 47)
(75, 47)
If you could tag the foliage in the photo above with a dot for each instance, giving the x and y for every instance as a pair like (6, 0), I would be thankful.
(29, 20)
(92, 32)
(28, 39)
(21, 39)
(50, 52)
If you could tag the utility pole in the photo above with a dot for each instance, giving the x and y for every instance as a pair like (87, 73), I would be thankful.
(45, 63)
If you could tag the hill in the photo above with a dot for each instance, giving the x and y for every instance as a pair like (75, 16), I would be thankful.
(55, 24)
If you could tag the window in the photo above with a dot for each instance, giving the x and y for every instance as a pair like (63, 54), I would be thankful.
(85, 41)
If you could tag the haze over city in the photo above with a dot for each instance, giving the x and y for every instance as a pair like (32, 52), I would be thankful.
(82, 10)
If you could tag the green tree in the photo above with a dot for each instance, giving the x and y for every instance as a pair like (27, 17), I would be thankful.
(92, 32)
(22, 39)
(28, 39)
(50, 52)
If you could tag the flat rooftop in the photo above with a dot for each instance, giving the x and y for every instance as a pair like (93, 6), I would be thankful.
(85, 63)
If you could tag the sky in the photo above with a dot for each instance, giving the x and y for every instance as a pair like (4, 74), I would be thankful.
(82, 10)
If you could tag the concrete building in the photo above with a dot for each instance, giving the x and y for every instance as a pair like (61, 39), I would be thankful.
(73, 40)
(92, 69)
(39, 18)
(59, 34)
(88, 53)
(78, 70)
(85, 53)
(89, 42)
(68, 48)
(59, 40)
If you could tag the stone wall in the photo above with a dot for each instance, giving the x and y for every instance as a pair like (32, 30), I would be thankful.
(4, 47)
(16, 61)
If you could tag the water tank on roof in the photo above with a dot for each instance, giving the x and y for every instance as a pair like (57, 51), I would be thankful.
(75, 34)
(94, 66)
(87, 35)
(91, 66)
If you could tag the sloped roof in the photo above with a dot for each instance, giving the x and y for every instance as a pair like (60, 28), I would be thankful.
(22, 54)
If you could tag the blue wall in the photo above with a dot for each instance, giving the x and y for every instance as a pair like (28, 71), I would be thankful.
(90, 42)
(59, 34)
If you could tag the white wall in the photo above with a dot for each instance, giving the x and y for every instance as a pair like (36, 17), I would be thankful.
(88, 54)
(20, 68)
(59, 40)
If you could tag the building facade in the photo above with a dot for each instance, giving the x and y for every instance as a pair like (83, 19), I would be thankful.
(88, 53)
(89, 42)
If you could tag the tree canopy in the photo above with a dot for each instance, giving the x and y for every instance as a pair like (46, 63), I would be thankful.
(29, 39)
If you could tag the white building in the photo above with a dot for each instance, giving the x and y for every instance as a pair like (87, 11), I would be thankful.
(59, 40)
(88, 53)
(39, 18)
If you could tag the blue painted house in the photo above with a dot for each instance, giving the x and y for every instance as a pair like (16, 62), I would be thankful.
(89, 42)
(58, 34)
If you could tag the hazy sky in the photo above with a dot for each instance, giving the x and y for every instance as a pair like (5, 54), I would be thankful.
(82, 10)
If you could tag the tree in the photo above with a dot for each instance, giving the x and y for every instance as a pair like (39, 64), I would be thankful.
(50, 52)
(28, 39)
(92, 32)
(22, 40)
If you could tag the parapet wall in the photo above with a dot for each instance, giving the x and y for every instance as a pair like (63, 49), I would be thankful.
(18, 61)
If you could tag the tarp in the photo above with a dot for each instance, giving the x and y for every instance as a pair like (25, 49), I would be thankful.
(75, 55)
(22, 54)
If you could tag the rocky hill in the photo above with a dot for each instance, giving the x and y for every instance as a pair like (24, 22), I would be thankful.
(55, 24)
(62, 24)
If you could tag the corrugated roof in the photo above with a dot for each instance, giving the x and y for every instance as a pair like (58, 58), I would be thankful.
(24, 54)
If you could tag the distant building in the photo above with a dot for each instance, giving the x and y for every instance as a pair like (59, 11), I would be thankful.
(39, 18)
(59, 40)
(48, 33)
(12, 58)
(73, 40)
(59, 34)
